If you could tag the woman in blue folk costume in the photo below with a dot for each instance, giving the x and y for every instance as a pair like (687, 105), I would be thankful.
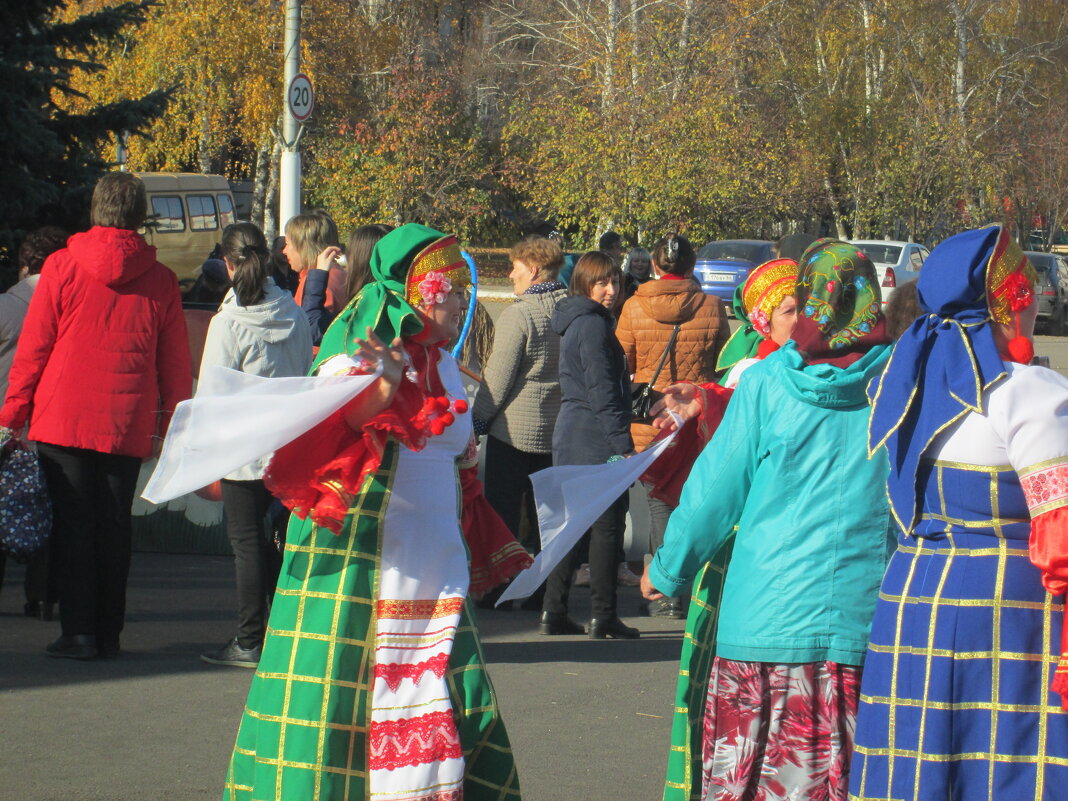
(959, 698)
(372, 683)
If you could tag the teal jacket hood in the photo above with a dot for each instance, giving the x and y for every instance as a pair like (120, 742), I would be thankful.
(825, 385)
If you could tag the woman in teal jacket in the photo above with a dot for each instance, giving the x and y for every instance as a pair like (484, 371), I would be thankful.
(787, 475)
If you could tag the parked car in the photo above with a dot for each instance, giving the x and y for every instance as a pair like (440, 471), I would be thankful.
(1052, 290)
(723, 265)
(896, 262)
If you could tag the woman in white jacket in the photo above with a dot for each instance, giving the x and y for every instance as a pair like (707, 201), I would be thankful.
(259, 330)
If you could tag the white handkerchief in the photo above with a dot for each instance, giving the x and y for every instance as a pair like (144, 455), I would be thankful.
(237, 418)
(569, 499)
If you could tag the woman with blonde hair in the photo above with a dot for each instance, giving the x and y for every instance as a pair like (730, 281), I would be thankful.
(312, 248)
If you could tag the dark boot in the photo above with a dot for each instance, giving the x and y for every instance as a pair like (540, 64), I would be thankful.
(76, 646)
(613, 628)
(553, 623)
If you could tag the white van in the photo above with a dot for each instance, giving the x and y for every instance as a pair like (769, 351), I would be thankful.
(187, 212)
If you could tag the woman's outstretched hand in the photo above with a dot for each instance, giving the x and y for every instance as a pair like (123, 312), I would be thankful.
(379, 395)
(683, 399)
(374, 351)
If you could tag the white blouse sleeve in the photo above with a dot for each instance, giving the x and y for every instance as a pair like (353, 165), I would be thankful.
(1030, 414)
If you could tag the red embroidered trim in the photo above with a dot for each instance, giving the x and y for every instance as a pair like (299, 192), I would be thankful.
(439, 795)
(422, 610)
(394, 672)
(1046, 488)
(413, 741)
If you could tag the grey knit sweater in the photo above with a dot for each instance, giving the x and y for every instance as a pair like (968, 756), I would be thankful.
(520, 393)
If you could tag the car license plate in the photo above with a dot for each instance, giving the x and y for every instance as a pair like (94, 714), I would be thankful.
(722, 278)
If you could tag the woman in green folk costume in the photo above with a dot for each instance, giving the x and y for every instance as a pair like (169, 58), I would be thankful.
(372, 682)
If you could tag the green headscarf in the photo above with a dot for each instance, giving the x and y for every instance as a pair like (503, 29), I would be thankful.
(839, 304)
(382, 303)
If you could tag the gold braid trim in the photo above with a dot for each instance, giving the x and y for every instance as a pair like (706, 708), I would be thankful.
(442, 256)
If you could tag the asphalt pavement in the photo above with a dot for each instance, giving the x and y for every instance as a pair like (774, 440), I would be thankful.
(589, 720)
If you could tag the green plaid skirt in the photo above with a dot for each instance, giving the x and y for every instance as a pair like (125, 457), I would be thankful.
(695, 665)
(303, 736)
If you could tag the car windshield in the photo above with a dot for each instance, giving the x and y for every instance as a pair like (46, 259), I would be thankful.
(882, 254)
(739, 251)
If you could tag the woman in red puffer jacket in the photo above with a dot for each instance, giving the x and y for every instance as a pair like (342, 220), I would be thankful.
(102, 361)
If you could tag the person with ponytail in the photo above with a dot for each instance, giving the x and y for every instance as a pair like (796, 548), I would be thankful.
(671, 332)
(260, 330)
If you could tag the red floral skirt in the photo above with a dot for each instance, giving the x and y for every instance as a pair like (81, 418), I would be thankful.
(776, 732)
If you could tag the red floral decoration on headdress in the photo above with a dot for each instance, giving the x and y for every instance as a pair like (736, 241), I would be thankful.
(1016, 291)
(434, 288)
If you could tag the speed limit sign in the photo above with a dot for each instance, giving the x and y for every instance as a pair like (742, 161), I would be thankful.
(301, 97)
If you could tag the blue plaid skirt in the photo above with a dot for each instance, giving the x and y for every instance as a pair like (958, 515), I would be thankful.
(955, 699)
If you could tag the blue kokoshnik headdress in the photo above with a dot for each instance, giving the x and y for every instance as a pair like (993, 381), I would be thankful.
(947, 358)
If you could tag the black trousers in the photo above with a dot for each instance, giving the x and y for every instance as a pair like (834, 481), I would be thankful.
(91, 535)
(606, 538)
(508, 487)
(659, 512)
(256, 559)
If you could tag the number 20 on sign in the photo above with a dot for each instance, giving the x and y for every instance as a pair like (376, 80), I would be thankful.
(301, 97)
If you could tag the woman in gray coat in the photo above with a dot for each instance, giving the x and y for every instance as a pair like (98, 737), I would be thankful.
(517, 402)
(262, 331)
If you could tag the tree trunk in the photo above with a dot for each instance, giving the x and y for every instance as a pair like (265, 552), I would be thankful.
(608, 89)
(635, 54)
(684, 45)
(270, 206)
(204, 148)
(259, 185)
(960, 31)
(836, 212)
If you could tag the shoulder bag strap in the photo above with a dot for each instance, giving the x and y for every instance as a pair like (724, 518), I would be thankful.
(663, 358)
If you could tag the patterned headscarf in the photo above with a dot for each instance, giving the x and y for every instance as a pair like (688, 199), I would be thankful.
(839, 304)
(754, 301)
(946, 359)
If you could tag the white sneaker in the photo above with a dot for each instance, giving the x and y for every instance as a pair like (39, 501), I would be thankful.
(582, 576)
(625, 577)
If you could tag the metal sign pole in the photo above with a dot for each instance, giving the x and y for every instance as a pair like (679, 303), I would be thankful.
(289, 168)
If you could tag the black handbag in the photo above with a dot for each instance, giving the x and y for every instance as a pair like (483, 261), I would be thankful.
(25, 507)
(643, 396)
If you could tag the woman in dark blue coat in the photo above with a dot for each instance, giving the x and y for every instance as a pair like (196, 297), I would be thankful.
(593, 426)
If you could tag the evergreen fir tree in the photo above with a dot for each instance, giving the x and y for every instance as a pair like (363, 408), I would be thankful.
(48, 156)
